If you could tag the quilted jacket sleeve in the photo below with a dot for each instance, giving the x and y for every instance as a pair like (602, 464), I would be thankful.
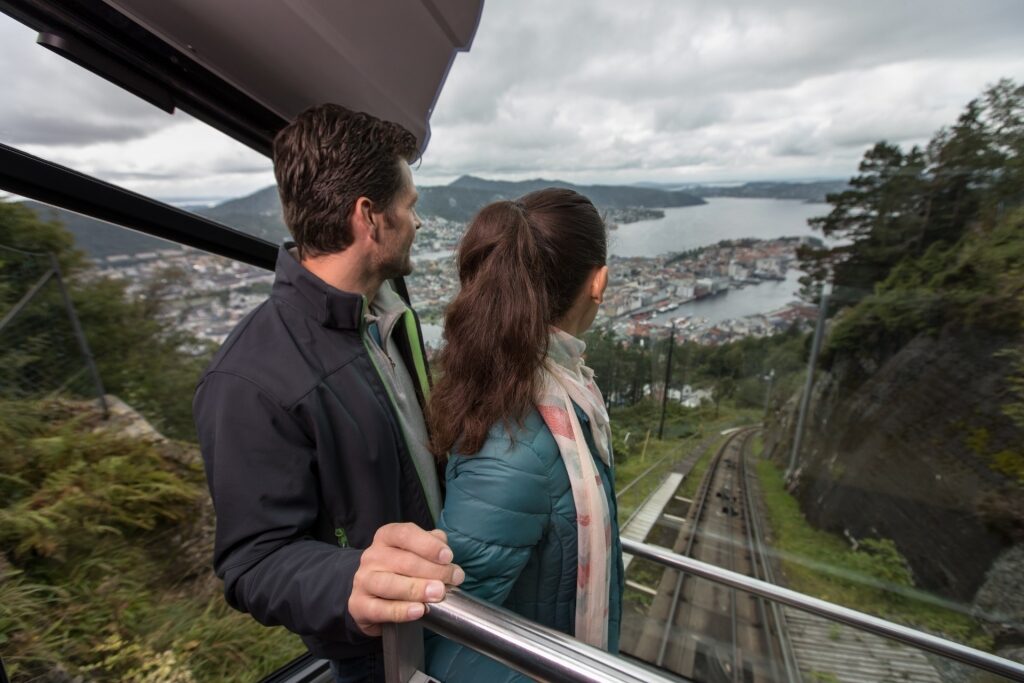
(496, 510)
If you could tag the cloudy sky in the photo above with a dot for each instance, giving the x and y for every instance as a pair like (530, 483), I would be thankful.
(591, 91)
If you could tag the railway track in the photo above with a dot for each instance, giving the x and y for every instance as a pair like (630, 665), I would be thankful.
(712, 633)
(709, 632)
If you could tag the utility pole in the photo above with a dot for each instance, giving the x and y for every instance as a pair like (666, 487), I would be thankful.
(609, 397)
(668, 376)
(805, 398)
(770, 378)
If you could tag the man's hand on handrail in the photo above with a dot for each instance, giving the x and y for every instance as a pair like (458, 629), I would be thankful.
(403, 568)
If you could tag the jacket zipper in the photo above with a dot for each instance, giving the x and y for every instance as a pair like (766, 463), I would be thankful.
(364, 337)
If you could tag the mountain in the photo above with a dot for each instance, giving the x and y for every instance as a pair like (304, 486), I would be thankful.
(460, 199)
(99, 239)
(808, 192)
(260, 213)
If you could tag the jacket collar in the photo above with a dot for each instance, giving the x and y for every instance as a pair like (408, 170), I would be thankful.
(329, 306)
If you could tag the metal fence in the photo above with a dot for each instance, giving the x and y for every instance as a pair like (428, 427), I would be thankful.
(43, 350)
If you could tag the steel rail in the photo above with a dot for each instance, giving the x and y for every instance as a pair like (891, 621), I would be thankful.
(759, 556)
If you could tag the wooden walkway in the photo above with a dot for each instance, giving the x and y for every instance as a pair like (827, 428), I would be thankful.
(641, 523)
(828, 651)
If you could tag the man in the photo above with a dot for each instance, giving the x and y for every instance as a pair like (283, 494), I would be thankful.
(310, 415)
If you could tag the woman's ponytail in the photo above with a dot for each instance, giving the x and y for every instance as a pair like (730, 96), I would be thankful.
(520, 265)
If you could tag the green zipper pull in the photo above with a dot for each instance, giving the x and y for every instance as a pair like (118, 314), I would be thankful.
(342, 537)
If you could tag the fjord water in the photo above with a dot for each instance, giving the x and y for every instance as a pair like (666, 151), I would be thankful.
(722, 218)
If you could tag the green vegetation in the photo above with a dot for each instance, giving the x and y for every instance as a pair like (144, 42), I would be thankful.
(930, 242)
(757, 444)
(907, 207)
(975, 285)
(643, 449)
(736, 372)
(874, 578)
(685, 429)
(107, 574)
(824, 677)
(141, 355)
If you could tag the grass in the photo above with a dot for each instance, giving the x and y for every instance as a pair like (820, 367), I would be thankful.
(757, 445)
(700, 468)
(685, 429)
(664, 455)
(872, 579)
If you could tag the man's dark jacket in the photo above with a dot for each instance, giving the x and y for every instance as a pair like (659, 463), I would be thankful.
(304, 454)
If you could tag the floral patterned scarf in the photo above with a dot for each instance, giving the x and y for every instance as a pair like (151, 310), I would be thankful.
(565, 380)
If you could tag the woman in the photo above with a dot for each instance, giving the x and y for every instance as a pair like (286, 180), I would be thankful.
(530, 508)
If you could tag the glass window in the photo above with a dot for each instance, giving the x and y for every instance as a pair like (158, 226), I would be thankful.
(105, 519)
(63, 113)
(863, 449)
(812, 344)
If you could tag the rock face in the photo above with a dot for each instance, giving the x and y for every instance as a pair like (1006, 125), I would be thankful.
(903, 450)
(1000, 600)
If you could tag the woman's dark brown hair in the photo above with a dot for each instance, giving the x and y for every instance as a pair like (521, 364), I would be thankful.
(521, 266)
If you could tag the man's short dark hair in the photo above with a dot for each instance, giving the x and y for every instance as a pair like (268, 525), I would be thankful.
(326, 159)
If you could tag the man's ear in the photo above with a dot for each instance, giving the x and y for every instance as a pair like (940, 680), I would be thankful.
(364, 223)
(598, 284)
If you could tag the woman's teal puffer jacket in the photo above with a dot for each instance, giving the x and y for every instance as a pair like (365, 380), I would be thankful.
(511, 522)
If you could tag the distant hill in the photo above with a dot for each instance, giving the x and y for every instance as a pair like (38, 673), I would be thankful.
(97, 238)
(808, 192)
(464, 196)
(260, 212)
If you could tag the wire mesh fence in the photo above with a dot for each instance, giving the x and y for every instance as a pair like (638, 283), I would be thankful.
(42, 349)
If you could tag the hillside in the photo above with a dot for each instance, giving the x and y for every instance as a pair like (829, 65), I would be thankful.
(260, 212)
(107, 529)
(468, 193)
(809, 192)
(915, 425)
(97, 238)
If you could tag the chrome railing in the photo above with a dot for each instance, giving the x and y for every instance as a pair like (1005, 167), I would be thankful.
(828, 610)
(539, 652)
(545, 654)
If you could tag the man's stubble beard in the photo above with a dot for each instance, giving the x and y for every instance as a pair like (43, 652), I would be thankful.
(392, 268)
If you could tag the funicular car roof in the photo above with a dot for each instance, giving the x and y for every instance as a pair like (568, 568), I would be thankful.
(248, 66)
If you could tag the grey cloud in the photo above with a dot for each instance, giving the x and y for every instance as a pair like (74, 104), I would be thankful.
(239, 166)
(599, 89)
(22, 128)
(690, 113)
(723, 84)
(50, 101)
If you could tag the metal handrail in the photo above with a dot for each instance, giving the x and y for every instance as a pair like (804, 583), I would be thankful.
(534, 650)
(831, 611)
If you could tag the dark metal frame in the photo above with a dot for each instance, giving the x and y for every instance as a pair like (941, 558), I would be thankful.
(99, 38)
(35, 178)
